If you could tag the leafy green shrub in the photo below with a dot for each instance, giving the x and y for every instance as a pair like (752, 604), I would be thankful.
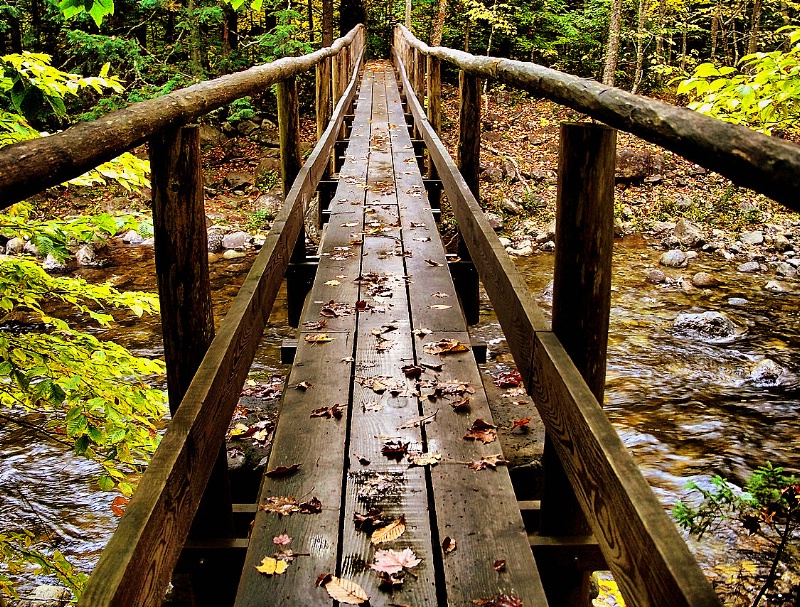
(241, 109)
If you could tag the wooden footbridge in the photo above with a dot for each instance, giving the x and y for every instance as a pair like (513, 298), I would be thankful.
(381, 445)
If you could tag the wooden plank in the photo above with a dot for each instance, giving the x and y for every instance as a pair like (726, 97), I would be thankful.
(477, 509)
(749, 159)
(516, 309)
(649, 559)
(32, 166)
(138, 560)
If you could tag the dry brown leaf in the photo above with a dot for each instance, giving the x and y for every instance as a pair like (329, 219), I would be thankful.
(390, 532)
(503, 600)
(422, 332)
(282, 471)
(445, 346)
(394, 449)
(433, 263)
(370, 521)
(412, 370)
(343, 590)
(280, 505)
(499, 565)
(462, 405)
(488, 461)
(328, 412)
(448, 545)
(482, 431)
(318, 338)
(440, 294)
(312, 506)
(303, 385)
(424, 459)
(520, 423)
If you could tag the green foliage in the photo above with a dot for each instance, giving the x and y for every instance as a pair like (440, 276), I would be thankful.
(259, 220)
(18, 553)
(241, 109)
(97, 9)
(764, 95)
(286, 38)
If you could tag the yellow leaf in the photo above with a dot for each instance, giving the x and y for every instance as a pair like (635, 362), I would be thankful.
(271, 566)
(333, 283)
(439, 307)
(239, 429)
(318, 338)
(390, 532)
(345, 591)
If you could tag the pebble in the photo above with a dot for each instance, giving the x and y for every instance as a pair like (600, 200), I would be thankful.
(51, 264)
(548, 247)
(737, 301)
(132, 237)
(748, 267)
(767, 372)
(46, 596)
(655, 276)
(85, 256)
(233, 254)
(688, 234)
(674, 259)
(15, 246)
(754, 237)
(506, 242)
(235, 240)
(704, 280)
(784, 269)
(775, 287)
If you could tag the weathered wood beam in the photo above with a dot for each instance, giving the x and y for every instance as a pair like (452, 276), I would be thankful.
(765, 164)
(29, 167)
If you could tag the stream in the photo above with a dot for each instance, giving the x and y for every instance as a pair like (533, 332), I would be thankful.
(686, 408)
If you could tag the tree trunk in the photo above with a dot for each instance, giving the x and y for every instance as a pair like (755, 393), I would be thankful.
(14, 34)
(752, 43)
(438, 23)
(311, 21)
(351, 13)
(327, 22)
(683, 43)
(194, 40)
(714, 34)
(408, 14)
(662, 14)
(466, 37)
(640, 38)
(612, 50)
(230, 30)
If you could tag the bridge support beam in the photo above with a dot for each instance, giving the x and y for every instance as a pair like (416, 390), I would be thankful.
(581, 305)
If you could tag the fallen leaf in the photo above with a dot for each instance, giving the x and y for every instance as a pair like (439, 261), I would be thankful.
(412, 370)
(370, 521)
(482, 431)
(334, 309)
(362, 306)
(394, 449)
(280, 505)
(342, 589)
(282, 471)
(488, 461)
(390, 532)
(520, 423)
(440, 294)
(271, 566)
(512, 379)
(390, 582)
(424, 459)
(448, 545)
(433, 263)
(394, 561)
(503, 600)
(425, 239)
(318, 338)
(499, 565)
(118, 505)
(347, 359)
(445, 346)
(419, 421)
(312, 506)
(436, 368)
(440, 307)
(282, 540)
(243, 431)
(332, 283)
(362, 459)
(422, 332)
(328, 412)
(462, 405)
(315, 325)
(350, 224)
(303, 385)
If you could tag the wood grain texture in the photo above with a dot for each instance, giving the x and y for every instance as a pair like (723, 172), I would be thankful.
(468, 153)
(32, 166)
(749, 159)
(289, 132)
(135, 567)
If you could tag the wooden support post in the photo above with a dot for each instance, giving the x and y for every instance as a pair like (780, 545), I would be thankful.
(469, 131)
(434, 81)
(581, 305)
(187, 317)
(291, 163)
(323, 95)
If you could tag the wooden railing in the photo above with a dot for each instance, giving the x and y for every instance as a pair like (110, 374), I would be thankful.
(563, 366)
(136, 565)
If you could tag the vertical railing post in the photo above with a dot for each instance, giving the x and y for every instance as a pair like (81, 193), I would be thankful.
(323, 95)
(297, 284)
(187, 317)
(465, 277)
(581, 305)
(434, 77)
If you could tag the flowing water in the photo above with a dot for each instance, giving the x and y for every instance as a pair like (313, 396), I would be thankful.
(686, 408)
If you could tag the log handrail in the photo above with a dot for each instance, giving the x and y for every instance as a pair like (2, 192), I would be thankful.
(765, 164)
(135, 566)
(649, 559)
(29, 167)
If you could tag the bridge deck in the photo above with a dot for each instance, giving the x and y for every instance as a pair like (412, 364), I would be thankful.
(382, 299)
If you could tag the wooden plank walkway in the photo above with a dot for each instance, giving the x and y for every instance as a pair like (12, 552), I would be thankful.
(381, 249)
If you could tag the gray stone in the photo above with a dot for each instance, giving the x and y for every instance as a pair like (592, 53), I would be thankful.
(132, 237)
(794, 262)
(551, 230)
(215, 237)
(511, 207)
(506, 242)
(633, 165)
(688, 234)
(236, 180)
(737, 301)
(674, 259)
(754, 238)
(268, 169)
(655, 276)
(749, 267)
(236, 240)
(523, 250)
(86, 256)
(245, 127)
(232, 254)
(15, 246)
(691, 255)
(31, 249)
(47, 596)
(548, 247)
(663, 226)
(784, 269)
(269, 203)
(211, 135)
(767, 373)
(510, 170)
(704, 280)
(492, 175)
(268, 125)
(684, 203)
(711, 326)
(495, 221)
(774, 286)
(780, 243)
(747, 207)
(51, 264)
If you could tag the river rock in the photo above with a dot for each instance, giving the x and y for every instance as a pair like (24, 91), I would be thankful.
(233, 254)
(269, 203)
(755, 237)
(245, 127)
(688, 234)
(237, 180)
(15, 246)
(784, 269)
(215, 237)
(775, 287)
(663, 226)
(767, 372)
(506, 242)
(132, 237)
(712, 326)
(235, 240)
(492, 175)
(704, 280)
(655, 277)
(86, 256)
(31, 249)
(737, 301)
(495, 221)
(46, 596)
(511, 207)
(51, 264)
(632, 165)
(523, 250)
(674, 259)
(548, 247)
(211, 135)
(268, 169)
(781, 243)
(749, 267)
